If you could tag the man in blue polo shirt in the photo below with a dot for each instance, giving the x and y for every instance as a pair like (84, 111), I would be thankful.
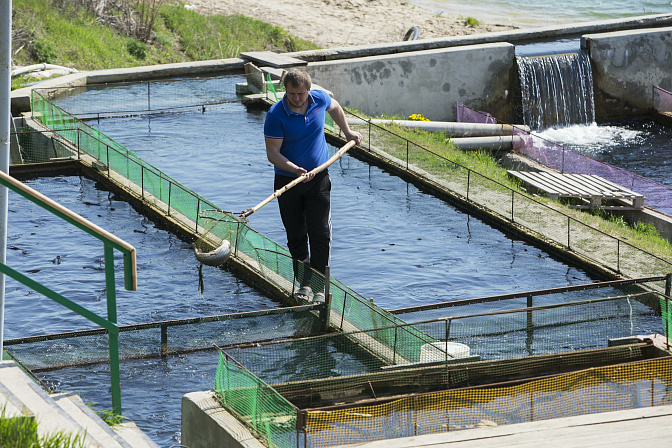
(295, 145)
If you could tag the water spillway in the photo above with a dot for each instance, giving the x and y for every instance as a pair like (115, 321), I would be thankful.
(556, 91)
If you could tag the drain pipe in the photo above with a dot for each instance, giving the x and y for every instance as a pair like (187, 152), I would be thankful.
(5, 117)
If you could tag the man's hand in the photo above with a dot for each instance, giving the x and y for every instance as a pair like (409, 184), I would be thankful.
(353, 135)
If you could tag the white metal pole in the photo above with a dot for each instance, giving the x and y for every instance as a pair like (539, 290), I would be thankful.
(5, 118)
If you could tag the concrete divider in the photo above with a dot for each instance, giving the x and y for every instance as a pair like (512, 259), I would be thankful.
(626, 66)
(426, 82)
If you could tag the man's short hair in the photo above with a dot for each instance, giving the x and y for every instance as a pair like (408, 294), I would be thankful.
(298, 78)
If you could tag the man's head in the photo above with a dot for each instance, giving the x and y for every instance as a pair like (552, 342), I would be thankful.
(297, 78)
(297, 85)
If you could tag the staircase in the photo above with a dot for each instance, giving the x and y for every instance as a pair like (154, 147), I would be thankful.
(63, 413)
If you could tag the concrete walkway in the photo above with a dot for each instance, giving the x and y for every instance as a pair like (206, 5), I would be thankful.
(634, 428)
(64, 413)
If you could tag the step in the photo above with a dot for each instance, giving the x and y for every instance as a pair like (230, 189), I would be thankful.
(134, 435)
(126, 435)
(96, 429)
(63, 413)
(16, 385)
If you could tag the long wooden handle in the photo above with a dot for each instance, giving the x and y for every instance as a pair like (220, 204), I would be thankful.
(300, 179)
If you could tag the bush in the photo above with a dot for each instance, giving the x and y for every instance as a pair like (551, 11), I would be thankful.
(42, 51)
(137, 49)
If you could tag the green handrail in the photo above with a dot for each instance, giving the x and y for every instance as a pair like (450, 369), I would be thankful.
(110, 243)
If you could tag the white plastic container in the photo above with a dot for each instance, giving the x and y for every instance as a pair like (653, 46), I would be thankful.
(436, 351)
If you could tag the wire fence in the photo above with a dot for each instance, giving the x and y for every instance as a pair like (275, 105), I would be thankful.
(346, 310)
(286, 390)
(512, 205)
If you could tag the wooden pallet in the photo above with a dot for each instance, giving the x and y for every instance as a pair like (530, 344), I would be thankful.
(591, 190)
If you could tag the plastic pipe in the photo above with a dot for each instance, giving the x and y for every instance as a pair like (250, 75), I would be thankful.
(455, 129)
(39, 67)
(496, 143)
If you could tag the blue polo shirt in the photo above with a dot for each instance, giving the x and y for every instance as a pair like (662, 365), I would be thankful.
(302, 136)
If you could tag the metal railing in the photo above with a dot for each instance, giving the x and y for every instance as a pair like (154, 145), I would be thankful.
(520, 209)
(110, 242)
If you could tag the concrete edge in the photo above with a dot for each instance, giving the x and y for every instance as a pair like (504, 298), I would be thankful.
(76, 399)
(205, 423)
(20, 98)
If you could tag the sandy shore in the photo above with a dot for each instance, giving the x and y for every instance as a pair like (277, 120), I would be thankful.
(341, 23)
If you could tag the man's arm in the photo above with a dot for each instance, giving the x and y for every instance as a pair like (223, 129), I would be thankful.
(337, 114)
(274, 156)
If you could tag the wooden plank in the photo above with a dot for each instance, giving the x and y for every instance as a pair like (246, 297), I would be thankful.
(572, 185)
(527, 178)
(616, 187)
(590, 187)
(563, 189)
(272, 59)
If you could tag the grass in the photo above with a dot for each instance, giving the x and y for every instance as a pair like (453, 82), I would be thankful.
(62, 32)
(21, 432)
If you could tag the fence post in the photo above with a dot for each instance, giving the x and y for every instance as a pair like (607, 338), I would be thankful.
(407, 154)
(513, 195)
(198, 210)
(170, 191)
(569, 221)
(115, 377)
(325, 312)
(618, 255)
(468, 182)
(164, 339)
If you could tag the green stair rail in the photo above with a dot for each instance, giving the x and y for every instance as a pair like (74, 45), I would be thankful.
(110, 243)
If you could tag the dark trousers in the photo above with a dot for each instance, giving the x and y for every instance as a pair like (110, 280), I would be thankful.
(305, 210)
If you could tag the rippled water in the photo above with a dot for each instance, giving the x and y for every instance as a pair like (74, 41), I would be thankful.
(640, 146)
(527, 14)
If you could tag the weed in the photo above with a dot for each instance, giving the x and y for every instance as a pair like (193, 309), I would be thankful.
(470, 21)
(137, 49)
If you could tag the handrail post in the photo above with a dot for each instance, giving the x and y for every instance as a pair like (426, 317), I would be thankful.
(325, 313)
(115, 377)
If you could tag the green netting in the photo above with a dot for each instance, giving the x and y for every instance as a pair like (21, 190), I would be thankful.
(349, 311)
(160, 338)
(258, 405)
(518, 343)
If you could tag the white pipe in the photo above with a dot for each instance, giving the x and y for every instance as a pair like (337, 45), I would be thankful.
(456, 129)
(5, 117)
(40, 67)
(491, 143)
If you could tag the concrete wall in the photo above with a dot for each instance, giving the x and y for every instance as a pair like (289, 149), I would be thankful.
(425, 82)
(206, 424)
(626, 66)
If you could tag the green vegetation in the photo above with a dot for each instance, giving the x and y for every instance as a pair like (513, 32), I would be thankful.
(470, 21)
(109, 417)
(131, 33)
(21, 432)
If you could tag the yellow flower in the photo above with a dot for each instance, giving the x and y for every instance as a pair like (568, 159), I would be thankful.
(417, 117)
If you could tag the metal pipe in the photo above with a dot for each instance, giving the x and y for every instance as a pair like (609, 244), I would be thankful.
(488, 143)
(453, 128)
(5, 118)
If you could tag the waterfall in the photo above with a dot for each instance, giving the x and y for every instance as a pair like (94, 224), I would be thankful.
(557, 91)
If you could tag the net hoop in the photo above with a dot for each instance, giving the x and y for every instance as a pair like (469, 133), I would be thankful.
(215, 257)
